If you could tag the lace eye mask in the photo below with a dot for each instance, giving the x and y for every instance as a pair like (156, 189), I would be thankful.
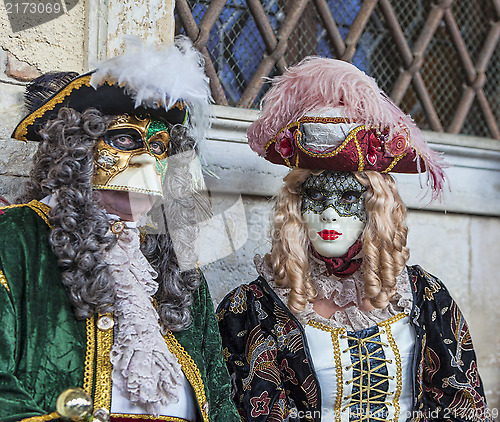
(338, 190)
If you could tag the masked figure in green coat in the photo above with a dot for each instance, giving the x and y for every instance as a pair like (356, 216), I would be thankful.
(91, 296)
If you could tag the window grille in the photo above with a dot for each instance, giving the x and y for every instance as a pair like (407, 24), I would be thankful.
(438, 60)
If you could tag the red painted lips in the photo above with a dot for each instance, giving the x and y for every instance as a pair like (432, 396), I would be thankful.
(329, 234)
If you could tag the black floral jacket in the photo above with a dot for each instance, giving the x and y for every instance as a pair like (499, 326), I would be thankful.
(273, 380)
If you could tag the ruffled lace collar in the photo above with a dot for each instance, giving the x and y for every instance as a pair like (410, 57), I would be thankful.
(144, 369)
(343, 292)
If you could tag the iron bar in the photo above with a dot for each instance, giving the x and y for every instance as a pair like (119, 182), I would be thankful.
(489, 46)
(207, 22)
(488, 114)
(463, 55)
(357, 28)
(268, 62)
(265, 30)
(427, 106)
(192, 32)
(330, 27)
(462, 110)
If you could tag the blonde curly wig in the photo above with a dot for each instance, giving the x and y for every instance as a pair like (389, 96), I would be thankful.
(384, 239)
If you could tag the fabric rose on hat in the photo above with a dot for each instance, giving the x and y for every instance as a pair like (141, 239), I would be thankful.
(284, 143)
(397, 145)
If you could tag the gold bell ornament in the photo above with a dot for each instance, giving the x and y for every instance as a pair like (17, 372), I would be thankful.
(76, 405)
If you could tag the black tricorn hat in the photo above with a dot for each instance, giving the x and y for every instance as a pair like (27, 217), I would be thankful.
(48, 93)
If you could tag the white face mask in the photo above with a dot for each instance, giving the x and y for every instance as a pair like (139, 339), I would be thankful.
(333, 210)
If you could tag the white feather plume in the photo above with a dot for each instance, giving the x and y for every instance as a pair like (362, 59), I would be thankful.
(155, 78)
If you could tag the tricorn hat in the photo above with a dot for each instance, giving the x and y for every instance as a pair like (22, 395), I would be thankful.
(327, 114)
(169, 84)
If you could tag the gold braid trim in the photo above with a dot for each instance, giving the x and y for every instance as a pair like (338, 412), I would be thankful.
(335, 333)
(127, 189)
(39, 207)
(22, 128)
(361, 161)
(43, 418)
(3, 281)
(397, 357)
(191, 372)
(352, 135)
(103, 367)
(89, 356)
(147, 417)
(394, 162)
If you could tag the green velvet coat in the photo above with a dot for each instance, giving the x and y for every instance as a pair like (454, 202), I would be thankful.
(44, 349)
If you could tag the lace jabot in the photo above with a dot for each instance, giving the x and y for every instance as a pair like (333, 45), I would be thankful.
(344, 291)
(144, 369)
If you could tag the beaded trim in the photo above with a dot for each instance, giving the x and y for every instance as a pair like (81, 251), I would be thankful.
(335, 333)
(334, 120)
(127, 189)
(89, 355)
(103, 368)
(191, 372)
(43, 418)
(3, 281)
(22, 129)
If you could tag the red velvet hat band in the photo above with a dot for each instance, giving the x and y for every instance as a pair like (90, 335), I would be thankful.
(362, 149)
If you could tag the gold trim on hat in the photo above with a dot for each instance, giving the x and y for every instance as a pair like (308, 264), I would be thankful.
(22, 129)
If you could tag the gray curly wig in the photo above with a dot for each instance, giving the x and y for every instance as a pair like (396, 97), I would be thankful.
(63, 167)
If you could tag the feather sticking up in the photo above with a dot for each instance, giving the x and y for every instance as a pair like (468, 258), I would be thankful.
(40, 89)
(316, 84)
(160, 78)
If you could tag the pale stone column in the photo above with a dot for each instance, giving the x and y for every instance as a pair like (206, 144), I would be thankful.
(109, 21)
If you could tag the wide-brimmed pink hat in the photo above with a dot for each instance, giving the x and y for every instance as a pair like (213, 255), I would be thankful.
(328, 114)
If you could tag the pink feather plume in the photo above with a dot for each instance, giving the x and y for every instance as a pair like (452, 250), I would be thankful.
(318, 83)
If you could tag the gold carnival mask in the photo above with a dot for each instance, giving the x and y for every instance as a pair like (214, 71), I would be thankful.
(132, 155)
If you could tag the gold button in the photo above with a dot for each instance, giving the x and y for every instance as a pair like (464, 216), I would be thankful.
(117, 227)
(105, 323)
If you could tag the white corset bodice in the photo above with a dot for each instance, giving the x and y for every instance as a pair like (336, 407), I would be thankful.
(364, 375)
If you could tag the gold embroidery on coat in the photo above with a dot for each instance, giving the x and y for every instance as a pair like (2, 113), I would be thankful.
(190, 370)
(103, 368)
(44, 418)
(3, 281)
(89, 355)
(39, 207)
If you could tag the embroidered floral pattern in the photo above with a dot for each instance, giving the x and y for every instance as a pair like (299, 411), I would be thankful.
(260, 405)
(261, 377)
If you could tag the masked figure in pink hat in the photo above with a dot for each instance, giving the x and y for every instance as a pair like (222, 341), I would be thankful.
(337, 327)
